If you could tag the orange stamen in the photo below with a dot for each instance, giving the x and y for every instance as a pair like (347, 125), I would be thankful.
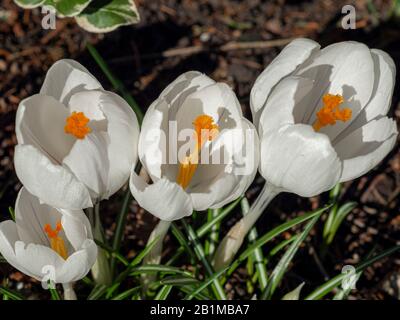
(56, 242)
(76, 124)
(205, 129)
(330, 112)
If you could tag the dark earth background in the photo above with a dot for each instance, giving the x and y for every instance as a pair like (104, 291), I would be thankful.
(148, 56)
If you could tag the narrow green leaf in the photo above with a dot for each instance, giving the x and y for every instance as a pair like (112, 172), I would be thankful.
(120, 227)
(10, 294)
(98, 292)
(54, 294)
(112, 253)
(281, 245)
(153, 268)
(12, 212)
(341, 214)
(280, 269)
(198, 248)
(163, 293)
(329, 221)
(178, 281)
(191, 288)
(112, 289)
(212, 239)
(127, 294)
(116, 83)
(201, 232)
(328, 286)
(139, 257)
(137, 260)
(258, 256)
(272, 234)
(205, 284)
(204, 229)
(185, 245)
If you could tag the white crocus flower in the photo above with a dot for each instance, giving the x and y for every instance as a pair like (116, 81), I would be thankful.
(46, 243)
(321, 117)
(76, 142)
(195, 102)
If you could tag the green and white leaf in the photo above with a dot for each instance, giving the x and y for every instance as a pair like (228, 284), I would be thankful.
(105, 16)
(29, 4)
(68, 8)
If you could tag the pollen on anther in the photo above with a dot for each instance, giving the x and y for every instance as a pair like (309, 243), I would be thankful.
(331, 112)
(77, 125)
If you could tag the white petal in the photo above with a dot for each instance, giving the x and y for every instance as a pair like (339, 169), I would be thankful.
(40, 122)
(215, 185)
(217, 100)
(88, 160)
(110, 113)
(385, 77)
(185, 84)
(36, 258)
(299, 160)
(8, 238)
(153, 139)
(164, 199)
(88, 102)
(155, 126)
(220, 189)
(385, 74)
(280, 107)
(66, 77)
(219, 152)
(344, 68)
(31, 216)
(78, 264)
(293, 55)
(123, 132)
(247, 172)
(76, 227)
(52, 184)
(365, 147)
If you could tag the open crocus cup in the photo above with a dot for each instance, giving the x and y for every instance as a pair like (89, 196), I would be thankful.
(211, 115)
(76, 142)
(321, 119)
(321, 114)
(46, 243)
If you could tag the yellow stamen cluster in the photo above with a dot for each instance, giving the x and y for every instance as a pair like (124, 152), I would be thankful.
(205, 130)
(330, 112)
(56, 242)
(77, 125)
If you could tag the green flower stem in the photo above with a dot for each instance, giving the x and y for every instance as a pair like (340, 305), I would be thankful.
(213, 238)
(69, 292)
(258, 256)
(154, 256)
(232, 242)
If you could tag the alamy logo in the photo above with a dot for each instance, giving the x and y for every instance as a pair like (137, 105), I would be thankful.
(349, 20)
(49, 18)
(350, 278)
(48, 280)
